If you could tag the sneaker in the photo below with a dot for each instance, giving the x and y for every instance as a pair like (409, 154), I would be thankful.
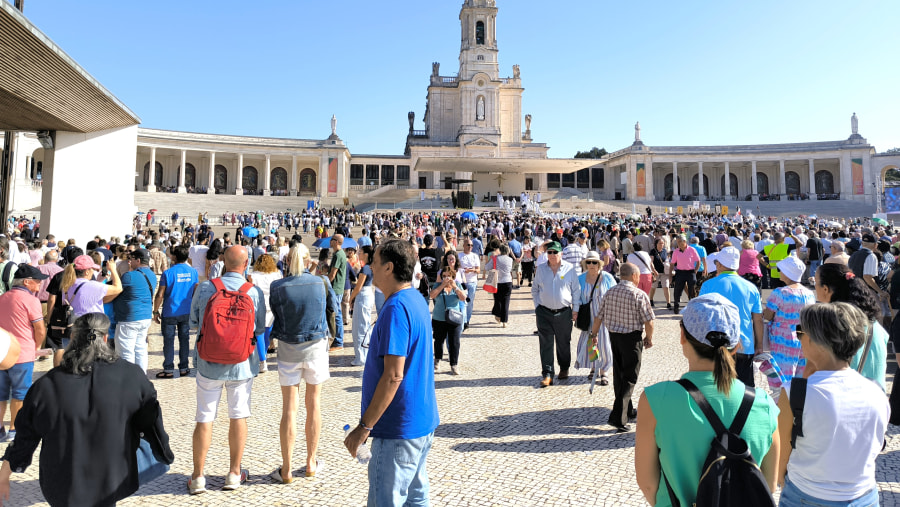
(2, 433)
(10, 436)
(233, 481)
(668, 306)
(197, 486)
(263, 366)
(652, 304)
(454, 370)
(436, 363)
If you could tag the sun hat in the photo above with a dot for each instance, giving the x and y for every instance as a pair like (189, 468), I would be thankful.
(729, 257)
(710, 313)
(591, 256)
(792, 268)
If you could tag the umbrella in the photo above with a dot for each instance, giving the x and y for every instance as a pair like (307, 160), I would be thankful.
(880, 221)
(326, 242)
(350, 243)
(603, 221)
(322, 242)
(250, 232)
(468, 215)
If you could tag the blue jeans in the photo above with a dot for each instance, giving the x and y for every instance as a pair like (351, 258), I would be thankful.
(338, 321)
(16, 381)
(397, 474)
(791, 496)
(470, 289)
(131, 342)
(170, 325)
(813, 266)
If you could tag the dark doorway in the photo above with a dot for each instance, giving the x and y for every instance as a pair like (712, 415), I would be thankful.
(529, 184)
(448, 183)
(423, 182)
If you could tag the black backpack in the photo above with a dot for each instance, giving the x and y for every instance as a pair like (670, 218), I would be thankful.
(730, 475)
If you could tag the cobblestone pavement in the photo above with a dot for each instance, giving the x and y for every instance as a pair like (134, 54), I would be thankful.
(502, 440)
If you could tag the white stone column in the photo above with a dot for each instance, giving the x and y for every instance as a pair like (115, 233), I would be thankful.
(676, 192)
(267, 175)
(294, 176)
(753, 193)
(151, 178)
(700, 180)
(781, 182)
(170, 161)
(238, 190)
(648, 179)
(181, 187)
(26, 174)
(727, 182)
(323, 176)
(437, 178)
(342, 186)
(812, 180)
(211, 177)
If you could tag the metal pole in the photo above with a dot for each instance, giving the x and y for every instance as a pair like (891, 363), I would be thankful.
(5, 176)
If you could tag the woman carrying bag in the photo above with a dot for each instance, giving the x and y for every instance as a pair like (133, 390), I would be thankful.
(594, 283)
(448, 318)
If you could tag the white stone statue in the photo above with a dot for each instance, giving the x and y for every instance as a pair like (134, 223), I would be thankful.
(333, 125)
(479, 109)
(854, 124)
(527, 122)
(516, 71)
(637, 131)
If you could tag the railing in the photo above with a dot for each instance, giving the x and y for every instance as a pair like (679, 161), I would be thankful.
(419, 133)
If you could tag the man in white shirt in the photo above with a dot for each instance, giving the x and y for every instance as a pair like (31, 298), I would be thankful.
(470, 263)
(197, 256)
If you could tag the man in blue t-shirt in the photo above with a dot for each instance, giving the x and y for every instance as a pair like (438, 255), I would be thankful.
(746, 297)
(134, 309)
(399, 405)
(176, 289)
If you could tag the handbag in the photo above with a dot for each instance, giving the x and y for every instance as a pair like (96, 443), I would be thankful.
(583, 322)
(490, 281)
(149, 467)
(452, 315)
(62, 318)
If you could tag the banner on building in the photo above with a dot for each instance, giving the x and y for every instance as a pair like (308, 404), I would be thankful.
(892, 199)
(332, 175)
(641, 181)
(859, 187)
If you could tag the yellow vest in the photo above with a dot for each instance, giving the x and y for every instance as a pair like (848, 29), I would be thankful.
(776, 253)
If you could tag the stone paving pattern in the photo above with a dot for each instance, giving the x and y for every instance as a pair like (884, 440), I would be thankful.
(502, 440)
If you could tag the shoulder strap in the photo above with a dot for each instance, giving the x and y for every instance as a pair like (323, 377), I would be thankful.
(701, 402)
(737, 425)
(66, 300)
(672, 496)
(150, 285)
(245, 288)
(217, 283)
(596, 282)
(636, 254)
(865, 354)
(798, 401)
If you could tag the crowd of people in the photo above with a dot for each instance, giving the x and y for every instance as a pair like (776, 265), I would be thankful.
(405, 287)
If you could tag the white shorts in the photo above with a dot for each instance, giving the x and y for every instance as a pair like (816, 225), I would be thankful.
(313, 372)
(209, 392)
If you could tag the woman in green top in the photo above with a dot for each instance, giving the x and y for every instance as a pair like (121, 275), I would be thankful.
(673, 436)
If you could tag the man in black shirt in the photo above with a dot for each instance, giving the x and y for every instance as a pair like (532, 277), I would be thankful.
(816, 253)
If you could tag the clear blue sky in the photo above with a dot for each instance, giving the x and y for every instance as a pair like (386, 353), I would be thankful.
(693, 73)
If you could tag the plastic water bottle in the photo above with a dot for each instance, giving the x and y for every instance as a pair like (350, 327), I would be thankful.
(363, 455)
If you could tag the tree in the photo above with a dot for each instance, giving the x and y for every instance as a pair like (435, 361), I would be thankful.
(892, 151)
(593, 153)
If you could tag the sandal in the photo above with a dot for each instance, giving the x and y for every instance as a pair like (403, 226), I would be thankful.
(185, 372)
(591, 375)
(320, 466)
(165, 374)
(277, 478)
(603, 380)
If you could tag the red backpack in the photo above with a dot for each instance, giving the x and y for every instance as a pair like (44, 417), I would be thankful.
(226, 336)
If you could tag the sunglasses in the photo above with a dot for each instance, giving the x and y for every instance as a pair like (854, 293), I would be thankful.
(551, 252)
(590, 263)
(800, 331)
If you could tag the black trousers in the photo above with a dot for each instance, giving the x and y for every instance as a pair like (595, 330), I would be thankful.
(449, 331)
(627, 349)
(743, 364)
(554, 328)
(501, 301)
(683, 277)
(528, 271)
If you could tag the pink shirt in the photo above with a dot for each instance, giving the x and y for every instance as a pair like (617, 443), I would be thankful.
(50, 270)
(686, 260)
(749, 263)
(19, 309)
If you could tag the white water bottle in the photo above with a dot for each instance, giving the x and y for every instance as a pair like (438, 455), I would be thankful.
(363, 455)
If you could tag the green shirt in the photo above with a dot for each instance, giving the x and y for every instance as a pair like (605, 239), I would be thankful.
(339, 262)
(876, 363)
(683, 434)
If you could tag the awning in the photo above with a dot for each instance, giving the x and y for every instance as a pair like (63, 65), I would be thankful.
(503, 165)
(43, 88)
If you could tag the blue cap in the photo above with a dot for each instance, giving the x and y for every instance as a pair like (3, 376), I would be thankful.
(712, 312)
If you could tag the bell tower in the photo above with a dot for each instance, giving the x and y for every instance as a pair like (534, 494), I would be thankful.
(478, 49)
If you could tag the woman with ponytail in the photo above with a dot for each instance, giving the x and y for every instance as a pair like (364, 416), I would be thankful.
(88, 415)
(673, 436)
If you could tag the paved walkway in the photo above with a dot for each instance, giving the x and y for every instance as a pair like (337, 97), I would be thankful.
(502, 441)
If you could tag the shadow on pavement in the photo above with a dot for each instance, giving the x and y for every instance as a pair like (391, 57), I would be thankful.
(586, 422)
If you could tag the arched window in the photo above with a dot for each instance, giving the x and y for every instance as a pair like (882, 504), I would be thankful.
(762, 184)
(733, 190)
(251, 178)
(308, 181)
(190, 175)
(668, 184)
(695, 185)
(157, 177)
(479, 33)
(825, 182)
(791, 183)
(220, 179)
(279, 179)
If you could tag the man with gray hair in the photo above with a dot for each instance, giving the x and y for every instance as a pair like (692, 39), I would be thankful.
(626, 312)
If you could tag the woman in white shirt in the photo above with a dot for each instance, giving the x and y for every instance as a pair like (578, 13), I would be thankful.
(264, 272)
(642, 260)
(843, 419)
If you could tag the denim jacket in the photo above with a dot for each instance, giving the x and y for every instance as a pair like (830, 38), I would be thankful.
(299, 304)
